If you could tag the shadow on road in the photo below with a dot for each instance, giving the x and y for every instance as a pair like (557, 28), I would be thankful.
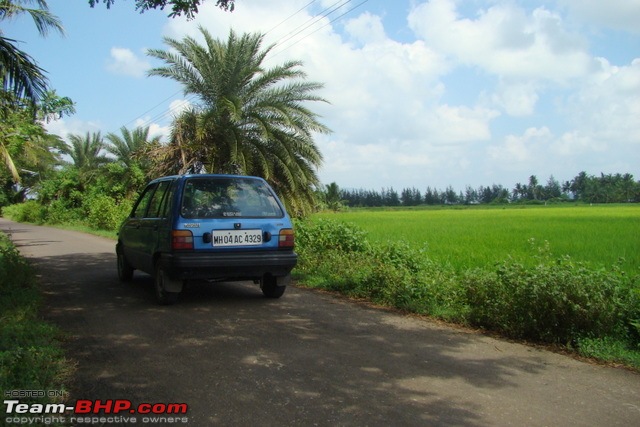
(233, 355)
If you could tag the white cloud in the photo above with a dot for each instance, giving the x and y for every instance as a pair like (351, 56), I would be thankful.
(516, 151)
(576, 143)
(608, 106)
(517, 99)
(616, 14)
(378, 89)
(394, 118)
(66, 126)
(123, 61)
(460, 124)
(390, 163)
(366, 28)
(155, 129)
(504, 40)
(178, 106)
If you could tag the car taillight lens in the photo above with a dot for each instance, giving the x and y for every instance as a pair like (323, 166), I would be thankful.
(181, 239)
(286, 238)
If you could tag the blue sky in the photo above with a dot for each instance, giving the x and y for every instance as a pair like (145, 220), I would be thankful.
(422, 93)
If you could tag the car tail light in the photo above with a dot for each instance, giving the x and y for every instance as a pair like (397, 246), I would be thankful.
(181, 239)
(286, 238)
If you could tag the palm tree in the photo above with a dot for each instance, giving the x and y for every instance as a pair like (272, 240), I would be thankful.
(131, 146)
(26, 145)
(86, 153)
(333, 197)
(19, 73)
(131, 150)
(20, 76)
(54, 107)
(248, 119)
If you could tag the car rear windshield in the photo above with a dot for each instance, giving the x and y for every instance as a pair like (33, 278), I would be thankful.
(228, 198)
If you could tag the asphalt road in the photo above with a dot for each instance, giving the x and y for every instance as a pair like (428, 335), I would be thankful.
(238, 359)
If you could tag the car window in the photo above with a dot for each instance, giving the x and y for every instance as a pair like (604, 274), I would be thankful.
(157, 199)
(143, 202)
(228, 197)
(165, 209)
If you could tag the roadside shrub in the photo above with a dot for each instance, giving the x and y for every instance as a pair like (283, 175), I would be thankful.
(400, 255)
(340, 257)
(337, 255)
(97, 211)
(610, 349)
(440, 293)
(554, 301)
(385, 284)
(60, 212)
(30, 356)
(29, 211)
(14, 272)
(105, 213)
(10, 211)
(323, 234)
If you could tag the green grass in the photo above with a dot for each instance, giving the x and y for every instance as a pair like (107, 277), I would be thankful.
(113, 235)
(480, 237)
(31, 357)
(609, 350)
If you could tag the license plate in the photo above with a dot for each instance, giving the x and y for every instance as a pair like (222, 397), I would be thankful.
(236, 237)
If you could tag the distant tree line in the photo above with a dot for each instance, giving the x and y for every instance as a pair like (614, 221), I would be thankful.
(606, 188)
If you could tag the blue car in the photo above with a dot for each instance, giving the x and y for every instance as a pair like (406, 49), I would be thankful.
(207, 227)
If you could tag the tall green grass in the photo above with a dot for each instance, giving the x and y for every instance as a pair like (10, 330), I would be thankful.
(479, 237)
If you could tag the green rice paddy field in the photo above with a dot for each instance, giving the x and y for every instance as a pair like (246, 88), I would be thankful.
(479, 237)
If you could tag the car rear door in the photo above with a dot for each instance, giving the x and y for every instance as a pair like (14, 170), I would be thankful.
(131, 233)
(152, 225)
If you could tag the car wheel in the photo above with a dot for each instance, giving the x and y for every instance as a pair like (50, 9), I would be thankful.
(160, 279)
(270, 288)
(125, 270)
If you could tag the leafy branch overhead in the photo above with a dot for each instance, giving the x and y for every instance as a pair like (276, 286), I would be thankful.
(187, 7)
(20, 74)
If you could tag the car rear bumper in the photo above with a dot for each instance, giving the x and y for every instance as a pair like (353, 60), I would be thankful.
(229, 265)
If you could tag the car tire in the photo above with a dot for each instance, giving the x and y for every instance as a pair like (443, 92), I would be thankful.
(163, 296)
(270, 288)
(125, 270)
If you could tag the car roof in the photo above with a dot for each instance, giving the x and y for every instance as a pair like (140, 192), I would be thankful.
(205, 175)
